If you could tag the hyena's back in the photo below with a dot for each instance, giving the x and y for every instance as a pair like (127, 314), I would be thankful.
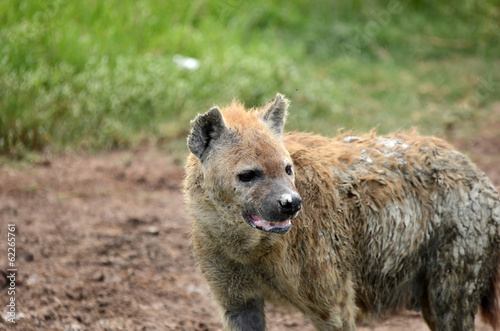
(422, 220)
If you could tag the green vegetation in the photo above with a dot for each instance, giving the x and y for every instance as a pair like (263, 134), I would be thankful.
(100, 74)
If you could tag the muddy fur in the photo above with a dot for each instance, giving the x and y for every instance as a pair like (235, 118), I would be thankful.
(400, 221)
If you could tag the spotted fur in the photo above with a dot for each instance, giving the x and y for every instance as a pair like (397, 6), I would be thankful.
(399, 221)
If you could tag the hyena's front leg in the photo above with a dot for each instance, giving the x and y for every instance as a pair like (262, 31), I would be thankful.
(235, 289)
(248, 317)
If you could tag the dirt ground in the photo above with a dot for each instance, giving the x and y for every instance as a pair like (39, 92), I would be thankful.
(102, 244)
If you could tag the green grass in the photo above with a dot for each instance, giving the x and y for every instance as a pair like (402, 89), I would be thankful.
(100, 74)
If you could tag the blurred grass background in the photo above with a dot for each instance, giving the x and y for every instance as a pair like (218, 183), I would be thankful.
(100, 75)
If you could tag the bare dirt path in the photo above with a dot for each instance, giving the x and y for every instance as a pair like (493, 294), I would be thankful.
(102, 244)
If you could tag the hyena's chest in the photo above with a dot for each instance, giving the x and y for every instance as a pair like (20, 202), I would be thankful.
(303, 277)
(291, 289)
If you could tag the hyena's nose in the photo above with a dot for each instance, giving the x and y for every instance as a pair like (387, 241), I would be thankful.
(290, 203)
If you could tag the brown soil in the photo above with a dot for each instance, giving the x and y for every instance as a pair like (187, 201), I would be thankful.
(102, 243)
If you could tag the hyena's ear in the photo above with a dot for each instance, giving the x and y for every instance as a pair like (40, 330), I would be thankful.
(274, 114)
(207, 128)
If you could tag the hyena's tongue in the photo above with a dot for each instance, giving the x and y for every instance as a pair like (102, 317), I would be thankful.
(268, 226)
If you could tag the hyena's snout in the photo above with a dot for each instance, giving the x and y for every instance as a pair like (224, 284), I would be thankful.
(282, 201)
(275, 211)
(289, 203)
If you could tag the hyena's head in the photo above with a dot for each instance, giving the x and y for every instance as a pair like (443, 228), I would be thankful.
(247, 172)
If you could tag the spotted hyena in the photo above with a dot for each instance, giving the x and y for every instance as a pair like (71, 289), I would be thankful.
(338, 227)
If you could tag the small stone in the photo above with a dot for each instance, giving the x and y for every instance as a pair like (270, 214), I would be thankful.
(153, 231)
(97, 277)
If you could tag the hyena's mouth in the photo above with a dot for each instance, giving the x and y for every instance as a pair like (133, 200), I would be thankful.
(261, 224)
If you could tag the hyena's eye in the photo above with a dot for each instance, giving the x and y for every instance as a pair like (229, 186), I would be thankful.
(248, 176)
(288, 170)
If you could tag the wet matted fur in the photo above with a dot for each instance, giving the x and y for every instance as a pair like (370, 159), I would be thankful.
(399, 221)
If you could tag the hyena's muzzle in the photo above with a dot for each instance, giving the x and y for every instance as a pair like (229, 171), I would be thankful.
(275, 209)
